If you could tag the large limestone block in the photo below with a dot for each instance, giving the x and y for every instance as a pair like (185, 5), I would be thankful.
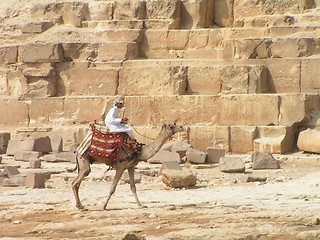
(163, 9)
(292, 47)
(243, 9)
(248, 109)
(13, 112)
(241, 138)
(8, 55)
(223, 13)
(197, 13)
(198, 38)
(126, 35)
(73, 13)
(231, 165)
(82, 110)
(293, 109)
(101, 10)
(274, 139)
(40, 88)
(204, 80)
(159, 78)
(308, 140)
(156, 110)
(36, 26)
(310, 75)
(177, 39)
(46, 111)
(118, 51)
(80, 51)
(41, 52)
(203, 136)
(243, 79)
(129, 10)
(82, 78)
(150, 41)
(39, 70)
(285, 75)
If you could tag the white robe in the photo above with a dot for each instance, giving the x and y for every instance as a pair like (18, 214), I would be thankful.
(113, 122)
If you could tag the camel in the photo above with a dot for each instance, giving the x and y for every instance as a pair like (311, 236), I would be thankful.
(147, 151)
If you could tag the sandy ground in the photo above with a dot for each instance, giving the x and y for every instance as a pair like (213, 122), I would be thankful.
(220, 206)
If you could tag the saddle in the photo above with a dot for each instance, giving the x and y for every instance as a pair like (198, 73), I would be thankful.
(108, 144)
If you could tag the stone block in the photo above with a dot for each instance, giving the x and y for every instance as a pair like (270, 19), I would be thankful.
(173, 165)
(43, 70)
(74, 13)
(41, 52)
(34, 163)
(178, 178)
(117, 50)
(141, 79)
(81, 109)
(8, 55)
(177, 39)
(26, 155)
(163, 9)
(35, 180)
(293, 109)
(81, 78)
(14, 181)
(214, 154)
(27, 144)
(284, 81)
(11, 171)
(197, 14)
(196, 156)
(101, 10)
(13, 112)
(65, 157)
(43, 144)
(241, 138)
(292, 47)
(309, 76)
(308, 140)
(39, 115)
(163, 156)
(56, 143)
(264, 161)
(274, 139)
(223, 13)
(49, 158)
(258, 109)
(36, 27)
(129, 10)
(216, 136)
(231, 165)
(4, 140)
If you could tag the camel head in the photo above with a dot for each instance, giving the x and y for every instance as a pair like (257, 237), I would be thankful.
(172, 128)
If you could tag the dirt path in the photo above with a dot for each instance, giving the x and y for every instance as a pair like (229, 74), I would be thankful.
(221, 206)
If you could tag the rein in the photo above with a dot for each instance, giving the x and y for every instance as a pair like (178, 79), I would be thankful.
(138, 132)
(169, 135)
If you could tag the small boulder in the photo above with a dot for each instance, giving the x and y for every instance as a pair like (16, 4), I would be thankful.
(196, 156)
(163, 156)
(231, 165)
(264, 161)
(178, 178)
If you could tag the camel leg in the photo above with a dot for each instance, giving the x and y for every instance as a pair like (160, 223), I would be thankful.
(84, 170)
(119, 172)
(133, 186)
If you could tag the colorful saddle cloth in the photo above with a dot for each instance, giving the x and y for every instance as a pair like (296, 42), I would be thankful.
(108, 144)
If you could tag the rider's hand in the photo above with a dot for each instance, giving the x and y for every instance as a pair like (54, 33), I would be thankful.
(124, 120)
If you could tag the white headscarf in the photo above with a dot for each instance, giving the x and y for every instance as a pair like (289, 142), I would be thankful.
(118, 100)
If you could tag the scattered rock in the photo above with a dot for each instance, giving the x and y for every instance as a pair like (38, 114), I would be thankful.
(178, 178)
(231, 165)
(264, 161)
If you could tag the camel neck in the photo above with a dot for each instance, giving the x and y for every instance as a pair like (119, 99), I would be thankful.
(151, 149)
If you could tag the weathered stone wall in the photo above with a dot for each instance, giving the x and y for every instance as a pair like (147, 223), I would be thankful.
(241, 75)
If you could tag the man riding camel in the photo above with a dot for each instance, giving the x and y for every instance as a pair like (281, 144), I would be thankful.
(114, 122)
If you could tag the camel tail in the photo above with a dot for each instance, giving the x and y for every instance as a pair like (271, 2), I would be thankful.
(76, 167)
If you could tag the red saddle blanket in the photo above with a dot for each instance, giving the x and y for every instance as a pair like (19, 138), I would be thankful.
(108, 145)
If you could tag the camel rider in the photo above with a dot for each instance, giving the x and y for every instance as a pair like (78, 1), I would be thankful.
(114, 122)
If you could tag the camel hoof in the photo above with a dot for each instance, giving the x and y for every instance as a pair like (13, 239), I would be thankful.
(142, 206)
